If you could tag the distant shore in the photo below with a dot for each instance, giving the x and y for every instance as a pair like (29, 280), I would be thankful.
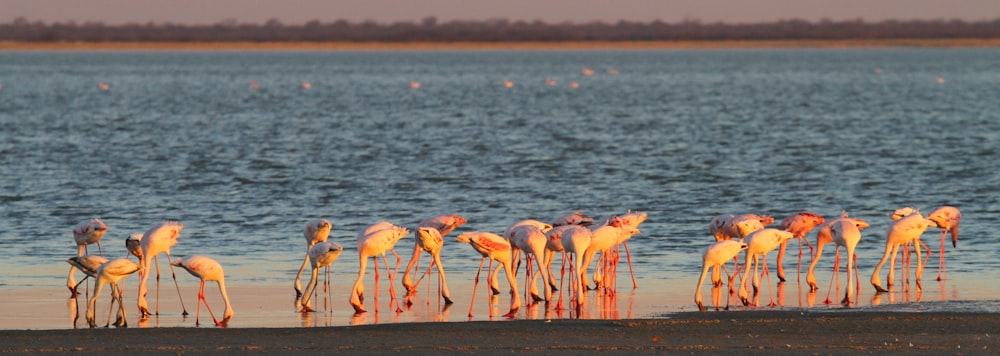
(751, 332)
(375, 46)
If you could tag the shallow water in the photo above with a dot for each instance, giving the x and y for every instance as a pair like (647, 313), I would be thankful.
(683, 135)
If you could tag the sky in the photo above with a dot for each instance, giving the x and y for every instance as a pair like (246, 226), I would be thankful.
(553, 11)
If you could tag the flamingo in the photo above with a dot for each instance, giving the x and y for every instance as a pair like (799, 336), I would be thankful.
(316, 231)
(632, 219)
(716, 256)
(306, 85)
(88, 265)
(444, 224)
(824, 235)
(110, 273)
(846, 233)
(133, 243)
(799, 225)
(508, 84)
(207, 269)
(718, 227)
(508, 234)
(604, 237)
(498, 249)
(158, 239)
(574, 218)
(429, 239)
(322, 254)
(729, 226)
(575, 241)
(901, 231)
(946, 218)
(532, 240)
(85, 233)
(414, 84)
(759, 243)
(103, 86)
(554, 244)
(373, 241)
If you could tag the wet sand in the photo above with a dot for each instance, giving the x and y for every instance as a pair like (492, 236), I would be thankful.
(760, 332)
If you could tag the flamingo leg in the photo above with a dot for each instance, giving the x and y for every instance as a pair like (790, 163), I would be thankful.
(628, 256)
(476, 284)
(375, 298)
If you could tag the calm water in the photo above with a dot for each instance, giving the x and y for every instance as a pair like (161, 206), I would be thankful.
(682, 135)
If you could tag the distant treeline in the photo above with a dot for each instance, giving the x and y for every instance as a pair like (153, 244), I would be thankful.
(430, 30)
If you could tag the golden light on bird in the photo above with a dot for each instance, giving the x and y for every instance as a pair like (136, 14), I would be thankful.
(103, 86)
(508, 84)
(254, 85)
(306, 85)
(414, 85)
(940, 79)
(588, 71)
(574, 85)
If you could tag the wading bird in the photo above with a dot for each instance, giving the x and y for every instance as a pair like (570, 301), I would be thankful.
(759, 243)
(88, 265)
(495, 248)
(156, 240)
(946, 218)
(430, 240)
(575, 241)
(716, 256)
(799, 225)
(85, 233)
(207, 269)
(316, 231)
(444, 224)
(322, 254)
(846, 233)
(531, 240)
(375, 241)
(110, 273)
(824, 236)
(904, 230)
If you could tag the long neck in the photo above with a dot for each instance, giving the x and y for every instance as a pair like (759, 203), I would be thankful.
(228, 313)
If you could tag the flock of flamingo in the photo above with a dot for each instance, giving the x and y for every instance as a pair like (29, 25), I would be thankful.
(748, 232)
(539, 241)
(577, 237)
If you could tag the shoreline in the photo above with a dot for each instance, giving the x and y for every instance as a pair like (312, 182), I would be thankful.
(770, 332)
(386, 46)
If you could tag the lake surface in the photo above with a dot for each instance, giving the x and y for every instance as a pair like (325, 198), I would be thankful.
(683, 135)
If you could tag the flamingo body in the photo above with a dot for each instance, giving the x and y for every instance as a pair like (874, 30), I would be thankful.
(716, 256)
(496, 248)
(374, 241)
(322, 254)
(901, 231)
(207, 270)
(316, 231)
(111, 273)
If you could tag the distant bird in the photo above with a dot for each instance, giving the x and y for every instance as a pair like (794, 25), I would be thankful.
(575, 241)
(716, 256)
(207, 269)
(110, 273)
(508, 84)
(306, 85)
(495, 248)
(550, 82)
(587, 71)
(531, 240)
(612, 71)
(799, 225)
(85, 233)
(946, 218)
(414, 85)
(444, 224)
(103, 86)
(158, 239)
(824, 235)
(375, 241)
(574, 85)
(254, 85)
(759, 243)
(939, 79)
(316, 231)
(878, 69)
(322, 254)
(901, 231)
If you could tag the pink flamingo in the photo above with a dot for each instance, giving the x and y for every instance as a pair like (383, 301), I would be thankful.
(207, 269)
(799, 225)
(824, 235)
(603, 238)
(575, 241)
(111, 273)
(531, 240)
(574, 218)
(759, 243)
(495, 248)
(85, 233)
(445, 224)
(374, 241)
(716, 256)
(631, 219)
(846, 233)
(729, 226)
(904, 230)
(322, 254)
(88, 265)
(946, 218)
(430, 240)
(316, 231)
(156, 240)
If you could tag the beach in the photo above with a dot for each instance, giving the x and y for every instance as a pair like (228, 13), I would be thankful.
(758, 332)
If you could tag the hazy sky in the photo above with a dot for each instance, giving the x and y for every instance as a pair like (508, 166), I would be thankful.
(300, 11)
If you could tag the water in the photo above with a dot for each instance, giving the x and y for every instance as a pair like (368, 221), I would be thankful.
(683, 135)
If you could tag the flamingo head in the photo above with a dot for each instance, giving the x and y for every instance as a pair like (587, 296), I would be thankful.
(903, 212)
(133, 244)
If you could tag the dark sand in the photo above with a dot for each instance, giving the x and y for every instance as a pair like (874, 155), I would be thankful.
(759, 332)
